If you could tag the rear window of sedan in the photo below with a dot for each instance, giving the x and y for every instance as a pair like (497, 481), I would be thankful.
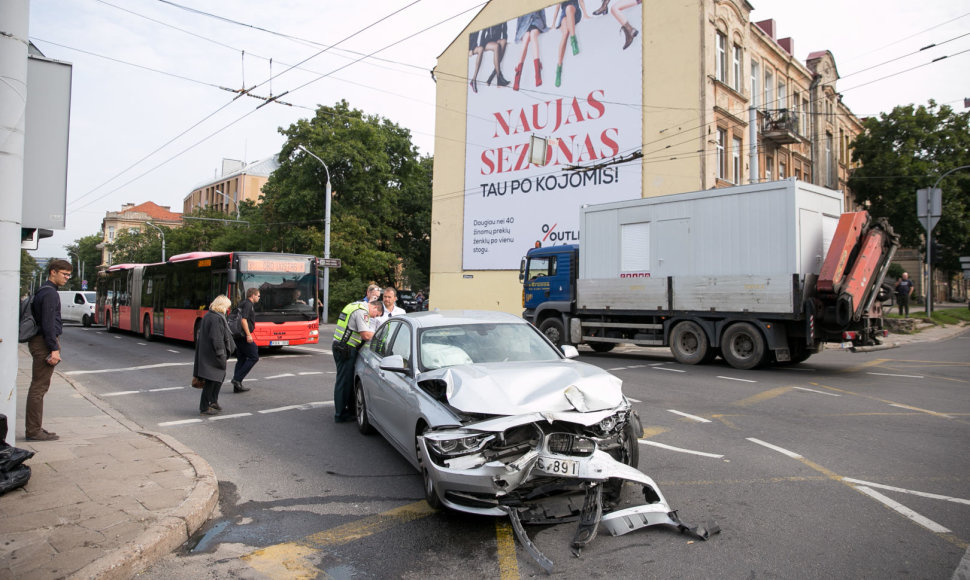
(447, 346)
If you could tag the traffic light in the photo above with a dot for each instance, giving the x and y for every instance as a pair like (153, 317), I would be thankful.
(935, 253)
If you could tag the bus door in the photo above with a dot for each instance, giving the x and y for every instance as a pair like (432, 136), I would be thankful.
(158, 305)
(113, 299)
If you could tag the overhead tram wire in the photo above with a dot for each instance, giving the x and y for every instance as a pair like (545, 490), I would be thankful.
(196, 144)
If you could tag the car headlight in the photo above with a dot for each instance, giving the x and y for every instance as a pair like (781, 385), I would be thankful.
(454, 444)
(607, 425)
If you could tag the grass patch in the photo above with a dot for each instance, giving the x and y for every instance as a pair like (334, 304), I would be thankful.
(951, 315)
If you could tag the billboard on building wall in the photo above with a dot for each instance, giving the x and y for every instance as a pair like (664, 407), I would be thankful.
(567, 75)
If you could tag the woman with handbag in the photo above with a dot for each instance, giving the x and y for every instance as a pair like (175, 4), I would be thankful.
(213, 346)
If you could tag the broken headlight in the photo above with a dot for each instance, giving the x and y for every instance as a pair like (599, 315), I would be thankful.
(453, 444)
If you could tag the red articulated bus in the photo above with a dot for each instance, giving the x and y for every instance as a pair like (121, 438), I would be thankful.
(170, 298)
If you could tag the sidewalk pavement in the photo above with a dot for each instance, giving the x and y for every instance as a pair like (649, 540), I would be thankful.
(106, 500)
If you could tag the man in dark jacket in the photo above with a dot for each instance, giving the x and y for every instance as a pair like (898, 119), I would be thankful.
(45, 348)
(247, 353)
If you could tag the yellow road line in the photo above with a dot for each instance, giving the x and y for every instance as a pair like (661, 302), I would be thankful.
(761, 397)
(649, 432)
(865, 365)
(289, 560)
(508, 565)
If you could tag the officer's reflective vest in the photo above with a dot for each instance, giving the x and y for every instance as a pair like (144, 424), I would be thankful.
(343, 334)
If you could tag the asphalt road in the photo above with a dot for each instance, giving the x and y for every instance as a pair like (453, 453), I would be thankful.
(848, 465)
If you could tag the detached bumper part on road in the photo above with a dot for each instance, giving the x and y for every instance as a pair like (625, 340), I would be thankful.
(541, 486)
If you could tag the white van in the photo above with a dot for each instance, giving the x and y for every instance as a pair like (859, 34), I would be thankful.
(77, 306)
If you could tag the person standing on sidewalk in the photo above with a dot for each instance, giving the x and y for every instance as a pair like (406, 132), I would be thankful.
(247, 353)
(904, 289)
(353, 329)
(212, 352)
(45, 348)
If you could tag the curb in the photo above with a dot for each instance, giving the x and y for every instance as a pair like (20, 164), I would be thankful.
(171, 530)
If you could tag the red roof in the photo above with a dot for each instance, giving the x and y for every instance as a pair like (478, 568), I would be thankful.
(155, 211)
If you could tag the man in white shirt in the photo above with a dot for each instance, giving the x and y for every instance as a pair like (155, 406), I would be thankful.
(390, 306)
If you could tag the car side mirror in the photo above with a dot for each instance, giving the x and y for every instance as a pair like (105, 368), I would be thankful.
(569, 351)
(394, 363)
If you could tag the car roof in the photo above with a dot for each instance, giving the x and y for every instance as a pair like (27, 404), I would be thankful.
(436, 318)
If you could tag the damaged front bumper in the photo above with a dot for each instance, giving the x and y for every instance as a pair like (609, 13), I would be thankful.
(521, 487)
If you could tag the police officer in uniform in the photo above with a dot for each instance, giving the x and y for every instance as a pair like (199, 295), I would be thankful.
(354, 327)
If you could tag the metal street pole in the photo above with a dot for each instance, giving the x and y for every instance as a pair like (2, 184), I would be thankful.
(163, 237)
(326, 239)
(229, 199)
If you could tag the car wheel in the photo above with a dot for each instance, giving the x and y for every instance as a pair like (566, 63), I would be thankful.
(554, 331)
(86, 320)
(689, 344)
(363, 424)
(602, 346)
(430, 493)
(742, 346)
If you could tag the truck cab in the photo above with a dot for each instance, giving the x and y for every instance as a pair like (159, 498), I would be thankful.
(548, 278)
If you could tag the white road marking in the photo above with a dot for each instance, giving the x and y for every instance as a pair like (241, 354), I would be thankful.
(817, 392)
(170, 350)
(637, 366)
(692, 417)
(142, 344)
(735, 379)
(119, 393)
(165, 389)
(279, 376)
(617, 369)
(892, 375)
(781, 450)
(680, 450)
(233, 416)
(908, 408)
(656, 364)
(304, 373)
(138, 368)
(666, 369)
(909, 491)
(302, 407)
(311, 349)
(285, 356)
(903, 510)
(182, 422)
(631, 399)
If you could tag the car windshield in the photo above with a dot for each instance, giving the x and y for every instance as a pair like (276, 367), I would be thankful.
(446, 346)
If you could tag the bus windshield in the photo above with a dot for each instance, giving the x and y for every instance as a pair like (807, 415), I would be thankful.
(287, 288)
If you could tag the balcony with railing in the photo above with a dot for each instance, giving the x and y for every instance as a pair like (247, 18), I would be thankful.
(780, 126)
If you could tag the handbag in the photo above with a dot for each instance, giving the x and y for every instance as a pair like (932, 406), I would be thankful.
(197, 383)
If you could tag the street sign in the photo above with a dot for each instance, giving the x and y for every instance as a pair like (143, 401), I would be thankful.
(965, 262)
(328, 262)
(929, 207)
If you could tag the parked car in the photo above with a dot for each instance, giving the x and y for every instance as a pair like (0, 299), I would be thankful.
(405, 299)
(499, 421)
(77, 306)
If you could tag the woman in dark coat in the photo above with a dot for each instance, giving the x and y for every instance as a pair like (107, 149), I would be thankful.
(212, 349)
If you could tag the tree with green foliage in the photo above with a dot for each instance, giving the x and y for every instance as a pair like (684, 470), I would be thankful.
(28, 273)
(909, 149)
(381, 199)
(86, 250)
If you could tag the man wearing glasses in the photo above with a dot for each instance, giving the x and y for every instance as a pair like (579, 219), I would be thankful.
(45, 347)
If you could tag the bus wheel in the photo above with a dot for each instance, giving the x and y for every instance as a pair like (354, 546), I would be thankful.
(688, 342)
(196, 330)
(742, 346)
(107, 322)
(146, 328)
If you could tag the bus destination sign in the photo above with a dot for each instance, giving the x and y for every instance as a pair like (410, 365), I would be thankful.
(271, 265)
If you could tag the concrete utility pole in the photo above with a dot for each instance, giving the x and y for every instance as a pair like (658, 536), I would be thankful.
(14, 17)
(162, 232)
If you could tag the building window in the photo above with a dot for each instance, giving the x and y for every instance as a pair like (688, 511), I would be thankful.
(829, 165)
(720, 62)
(736, 160)
(755, 78)
(781, 170)
(721, 159)
(804, 124)
(798, 173)
(736, 68)
(769, 88)
(769, 161)
(111, 233)
(782, 95)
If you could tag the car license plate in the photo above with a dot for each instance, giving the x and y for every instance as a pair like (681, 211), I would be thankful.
(552, 466)
(279, 343)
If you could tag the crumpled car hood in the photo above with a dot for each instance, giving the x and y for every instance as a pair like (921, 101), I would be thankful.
(516, 388)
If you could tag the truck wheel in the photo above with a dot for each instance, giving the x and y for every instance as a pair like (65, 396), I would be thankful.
(742, 346)
(554, 331)
(602, 346)
(689, 343)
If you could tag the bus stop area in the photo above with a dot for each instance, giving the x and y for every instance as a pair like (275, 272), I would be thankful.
(108, 498)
